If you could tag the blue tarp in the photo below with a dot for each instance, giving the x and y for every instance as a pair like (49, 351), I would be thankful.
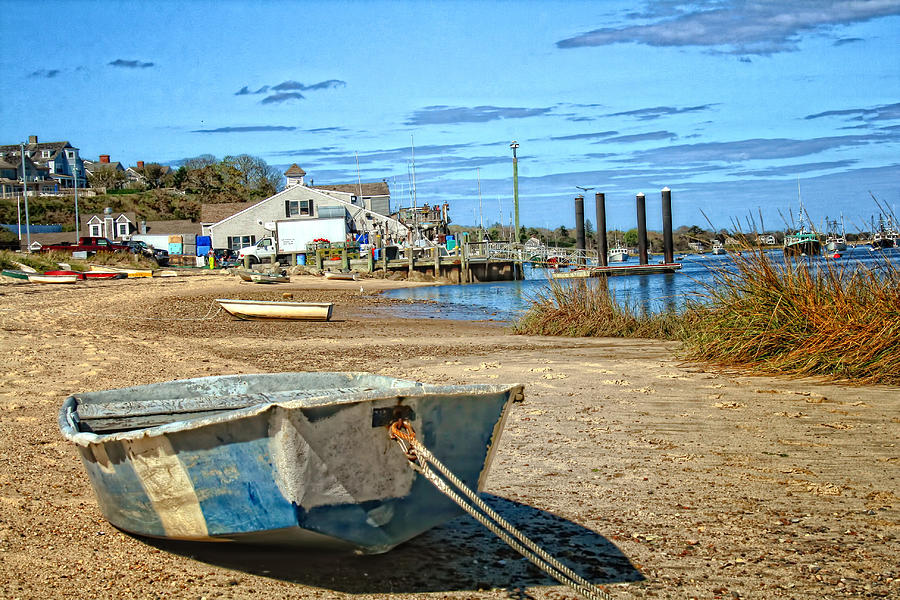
(14, 227)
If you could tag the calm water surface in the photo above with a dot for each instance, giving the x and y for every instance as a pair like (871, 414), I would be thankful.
(506, 300)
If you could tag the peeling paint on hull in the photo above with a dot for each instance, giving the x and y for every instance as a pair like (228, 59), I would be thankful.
(294, 460)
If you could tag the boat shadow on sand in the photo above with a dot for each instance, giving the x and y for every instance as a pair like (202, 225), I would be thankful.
(457, 556)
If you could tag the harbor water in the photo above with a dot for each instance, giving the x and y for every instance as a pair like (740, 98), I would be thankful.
(506, 300)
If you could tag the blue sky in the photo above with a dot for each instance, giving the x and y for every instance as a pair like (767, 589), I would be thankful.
(728, 103)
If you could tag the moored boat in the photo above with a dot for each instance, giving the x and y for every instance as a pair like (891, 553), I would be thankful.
(273, 309)
(835, 239)
(617, 254)
(885, 234)
(288, 458)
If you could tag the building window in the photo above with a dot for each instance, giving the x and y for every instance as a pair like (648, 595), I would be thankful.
(298, 208)
(46, 154)
(123, 229)
(236, 242)
(95, 229)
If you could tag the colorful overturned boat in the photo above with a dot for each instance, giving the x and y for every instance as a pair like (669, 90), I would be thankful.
(273, 309)
(285, 459)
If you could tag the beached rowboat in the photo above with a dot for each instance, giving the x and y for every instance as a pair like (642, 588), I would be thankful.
(273, 309)
(289, 458)
(16, 273)
(341, 275)
(269, 278)
(45, 278)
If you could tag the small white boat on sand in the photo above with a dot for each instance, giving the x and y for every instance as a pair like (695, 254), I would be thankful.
(269, 278)
(276, 309)
(342, 275)
(45, 278)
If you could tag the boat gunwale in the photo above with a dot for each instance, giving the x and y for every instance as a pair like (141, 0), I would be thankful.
(68, 415)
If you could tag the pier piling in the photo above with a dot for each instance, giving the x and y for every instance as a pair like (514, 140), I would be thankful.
(579, 225)
(602, 244)
(668, 241)
(642, 227)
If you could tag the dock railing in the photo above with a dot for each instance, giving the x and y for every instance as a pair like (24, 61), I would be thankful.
(534, 254)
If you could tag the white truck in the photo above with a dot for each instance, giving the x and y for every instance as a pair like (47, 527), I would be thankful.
(291, 237)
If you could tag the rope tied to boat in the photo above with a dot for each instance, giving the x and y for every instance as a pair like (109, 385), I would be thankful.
(424, 462)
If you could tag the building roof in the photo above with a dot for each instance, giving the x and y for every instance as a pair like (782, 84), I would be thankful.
(173, 227)
(90, 166)
(295, 170)
(213, 213)
(376, 188)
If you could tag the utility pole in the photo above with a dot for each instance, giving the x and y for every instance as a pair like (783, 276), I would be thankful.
(514, 145)
(25, 194)
(75, 174)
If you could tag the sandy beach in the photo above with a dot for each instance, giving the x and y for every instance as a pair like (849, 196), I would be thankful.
(651, 477)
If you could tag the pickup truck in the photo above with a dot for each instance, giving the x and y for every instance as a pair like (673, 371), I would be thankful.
(88, 244)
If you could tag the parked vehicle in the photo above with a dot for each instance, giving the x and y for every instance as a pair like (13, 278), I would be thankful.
(89, 244)
(158, 254)
(291, 237)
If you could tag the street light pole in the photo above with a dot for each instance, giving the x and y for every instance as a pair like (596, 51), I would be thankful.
(514, 145)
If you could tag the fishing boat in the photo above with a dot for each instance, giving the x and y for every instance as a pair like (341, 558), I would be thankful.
(802, 241)
(718, 248)
(269, 278)
(341, 275)
(835, 239)
(299, 459)
(272, 309)
(45, 278)
(618, 253)
(885, 234)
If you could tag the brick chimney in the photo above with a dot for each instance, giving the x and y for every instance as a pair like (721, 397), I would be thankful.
(140, 164)
(32, 139)
(104, 159)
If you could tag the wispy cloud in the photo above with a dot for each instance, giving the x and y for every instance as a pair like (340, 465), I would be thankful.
(795, 169)
(45, 73)
(743, 150)
(246, 129)
(245, 91)
(440, 115)
(288, 90)
(585, 136)
(639, 137)
(282, 97)
(885, 112)
(130, 64)
(734, 26)
(296, 85)
(648, 114)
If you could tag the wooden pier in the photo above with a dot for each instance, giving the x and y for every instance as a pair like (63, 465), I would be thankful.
(618, 270)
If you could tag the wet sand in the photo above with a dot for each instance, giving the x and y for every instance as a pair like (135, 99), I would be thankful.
(651, 477)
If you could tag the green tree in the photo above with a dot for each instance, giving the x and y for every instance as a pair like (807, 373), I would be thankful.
(631, 237)
(260, 179)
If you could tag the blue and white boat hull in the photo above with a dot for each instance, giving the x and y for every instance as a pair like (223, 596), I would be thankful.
(292, 458)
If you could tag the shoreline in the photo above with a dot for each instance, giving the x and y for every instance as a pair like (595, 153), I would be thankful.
(646, 475)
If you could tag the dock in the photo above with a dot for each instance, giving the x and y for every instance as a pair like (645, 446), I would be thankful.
(618, 270)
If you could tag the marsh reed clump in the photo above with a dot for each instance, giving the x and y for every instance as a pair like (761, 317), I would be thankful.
(587, 308)
(820, 319)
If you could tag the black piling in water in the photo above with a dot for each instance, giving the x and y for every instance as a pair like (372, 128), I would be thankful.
(668, 241)
(579, 225)
(642, 228)
(602, 244)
